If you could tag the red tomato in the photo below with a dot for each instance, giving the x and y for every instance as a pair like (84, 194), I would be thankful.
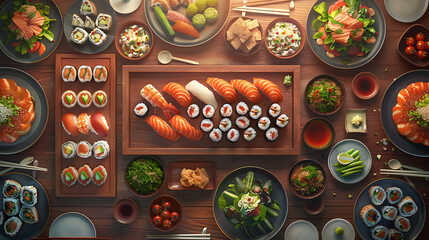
(409, 41)
(156, 208)
(337, 5)
(165, 215)
(35, 47)
(322, 29)
(367, 9)
(166, 206)
(427, 45)
(420, 37)
(410, 50)
(422, 54)
(157, 220)
(354, 50)
(421, 45)
(15, 44)
(174, 216)
(332, 51)
(166, 224)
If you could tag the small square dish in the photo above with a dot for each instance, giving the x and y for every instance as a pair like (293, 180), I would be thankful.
(175, 169)
(353, 115)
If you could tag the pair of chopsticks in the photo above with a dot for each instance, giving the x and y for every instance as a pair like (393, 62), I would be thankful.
(271, 11)
(262, 2)
(409, 173)
(181, 236)
(17, 165)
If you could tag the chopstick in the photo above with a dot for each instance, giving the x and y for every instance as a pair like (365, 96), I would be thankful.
(245, 9)
(423, 174)
(181, 236)
(261, 2)
(16, 165)
(264, 9)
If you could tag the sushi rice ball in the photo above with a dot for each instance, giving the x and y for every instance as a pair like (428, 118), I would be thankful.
(28, 196)
(140, 110)
(85, 73)
(274, 110)
(84, 98)
(100, 73)
(100, 98)
(68, 149)
(100, 175)
(193, 111)
(69, 99)
(233, 135)
(242, 122)
(282, 121)
(225, 124)
(226, 110)
(249, 134)
(216, 135)
(84, 149)
(69, 73)
(69, 176)
(12, 226)
(206, 125)
(100, 149)
(255, 112)
(272, 134)
(241, 108)
(264, 123)
(209, 111)
(85, 175)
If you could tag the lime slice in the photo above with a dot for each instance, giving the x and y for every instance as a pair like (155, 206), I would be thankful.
(344, 158)
(339, 231)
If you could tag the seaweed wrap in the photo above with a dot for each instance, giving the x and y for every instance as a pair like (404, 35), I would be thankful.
(389, 212)
(370, 216)
(377, 195)
(29, 196)
(394, 234)
(29, 215)
(11, 206)
(11, 188)
(379, 232)
(394, 195)
(12, 226)
(407, 207)
(402, 224)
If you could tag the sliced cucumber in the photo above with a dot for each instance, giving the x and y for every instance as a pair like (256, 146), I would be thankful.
(239, 184)
(229, 197)
(268, 225)
(272, 213)
(164, 22)
(250, 178)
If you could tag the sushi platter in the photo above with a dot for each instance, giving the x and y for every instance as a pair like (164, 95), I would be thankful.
(85, 150)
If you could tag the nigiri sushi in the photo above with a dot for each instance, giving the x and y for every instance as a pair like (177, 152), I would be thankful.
(269, 88)
(201, 92)
(173, 16)
(223, 87)
(83, 124)
(186, 28)
(162, 128)
(185, 128)
(152, 95)
(99, 124)
(249, 90)
(179, 93)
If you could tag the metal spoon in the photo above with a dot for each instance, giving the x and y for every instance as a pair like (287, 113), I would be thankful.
(165, 57)
(25, 161)
(396, 164)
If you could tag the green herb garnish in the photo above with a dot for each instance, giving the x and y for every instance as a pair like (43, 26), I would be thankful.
(7, 110)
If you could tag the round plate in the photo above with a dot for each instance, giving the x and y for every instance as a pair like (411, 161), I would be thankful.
(406, 11)
(279, 194)
(389, 101)
(417, 221)
(344, 146)
(29, 231)
(89, 48)
(72, 224)
(41, 108)
(182, 40)
(328, 232)
(55, 27)
(379, 25)
(125, 7)
(301, 230)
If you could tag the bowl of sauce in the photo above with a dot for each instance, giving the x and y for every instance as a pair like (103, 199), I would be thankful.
(318, 133)
(125, 211)
(365, 85)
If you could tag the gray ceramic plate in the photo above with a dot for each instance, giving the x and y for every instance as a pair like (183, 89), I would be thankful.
(41, 108)
(72, 225)
(301, 230)
(406, 11)
(328, 232)
(89, 48)
(55, 27)
(379, 25)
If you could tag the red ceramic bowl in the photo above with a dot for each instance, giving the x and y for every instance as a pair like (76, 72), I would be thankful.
(175, 207)
(305, 163)
(239, 51)
(318, 133)
(365, 85)
(121, 30)
(411, 32)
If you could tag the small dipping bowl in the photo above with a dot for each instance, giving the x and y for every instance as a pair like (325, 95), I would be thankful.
(314, 206)
(365, 85)
(125, 211)
(318, 133)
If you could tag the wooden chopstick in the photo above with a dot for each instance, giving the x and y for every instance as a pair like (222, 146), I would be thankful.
(261, 2)
(405, 171)
(181, 236)
(16, 165)
(262, 12)
(404, 174)
(265, 9)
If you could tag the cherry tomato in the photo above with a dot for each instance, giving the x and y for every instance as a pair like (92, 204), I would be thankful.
(165, 215)
(427, 45)
(166, 224)
(409, 41)
(166, 206)
(35, 47)
(410, 50)
(157, 220)
(15, 44)
(421, 45)
(174, 216)
(156, 208)
(420, 37)
(422, 54)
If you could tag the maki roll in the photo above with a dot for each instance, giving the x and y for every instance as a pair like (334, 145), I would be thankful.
(100, 98)
(69, 99)
(12, 226)
(209, 111)
(68, 149)
(193, 111)
(100, 73)
(282, 121)
(100, 149)
(272, 134)
(377, 195)
(83, 123)
(77, 21)
(216, 135)
(85, 175)
(11, 189)
(85, 73)
(394, 195)
(389, 212)
(11, 206)
(69, 176)
(264, 123)
(100, 175)
(379, 232)
(225, 124)
(84, 98)
(402, 224)
(104, 21)
(88, 8)
(242, 122)
(226, 110)
(370, 216)
(89, 23)
(28, 196)
(79, 36)
(241, 108)
(233, 135)
(394, 234)
(206, 125)
(84, 149)
(69, 73)
(407, 207)
(274, 110)
(255, 112)
(249, 134)
(29, 215)
(140, 110)
(97, 37)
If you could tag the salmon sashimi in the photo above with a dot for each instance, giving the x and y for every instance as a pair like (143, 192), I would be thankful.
(269, 88)
(38, 20)
(341, 36)
(152, 95)
(36, 29)
(185, 128)
(162, 128)
(348, 21)
(174, 16)
(182, 96)
(186, 28)
(27, 20)
(223, 87)
(357, 34)
(249, 90)
(333, 26)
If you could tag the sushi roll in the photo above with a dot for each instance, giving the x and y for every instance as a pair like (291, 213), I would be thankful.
(206, 125)
(225, 124)
(85, 175)
(282, 121)
(193, 111)
(11, 189)
(233, 135)
(69, 73)
(407, 207)
(97, 37)
(11, 206)
(394, 234)
(216, 135)
(274, 110)
(88, 8)
(389, 212)
(28, 196)
(241, 108)
(140, 110)
(100, 73)
(85, 73)
(84, 98)
(77, 21)
(379, 232)
(100, 175)
(69, 176)
(208, 111)
(249, 134)
(255, 112)
(79, 36)
(89, 23)
(69, 99)
(29, 215)
(104, 21)
(264, 123)
(12, 226)
(100, 98)
(370, 216)
(272, 134)
(242, 122)
(84, 149)
(377, 195)
(100, 149)
(394, 195)
(99, 124)
(68, 149)
(69, 123)
(402, 224)
(83, 123)
(226, 110)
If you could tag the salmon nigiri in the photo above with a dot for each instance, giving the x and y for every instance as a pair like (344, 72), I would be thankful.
(162, 128)
(249, 90)
(182, 96)
(223, 87)
(185, 128)
(186, 28)
(269, 88)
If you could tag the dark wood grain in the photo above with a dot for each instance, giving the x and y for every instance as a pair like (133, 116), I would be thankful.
(197, 210)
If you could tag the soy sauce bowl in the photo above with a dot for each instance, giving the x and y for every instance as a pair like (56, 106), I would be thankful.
(365, 85)
(315, 130)
(125, 211)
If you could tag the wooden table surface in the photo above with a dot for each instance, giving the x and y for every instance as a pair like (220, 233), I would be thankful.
(197, 205)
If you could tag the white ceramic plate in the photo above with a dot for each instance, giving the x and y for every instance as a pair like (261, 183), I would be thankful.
(301, 230)
(124, 6)
(328, 232)
(406, 10)
(72, 224)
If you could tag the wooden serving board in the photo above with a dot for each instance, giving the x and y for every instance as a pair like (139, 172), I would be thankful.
(140, 138)
(108, 189)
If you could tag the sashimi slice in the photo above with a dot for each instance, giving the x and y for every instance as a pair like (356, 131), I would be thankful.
(19, 20)
(162, 128)
(357, 34)
(36, 29)
(223, 87)
(175, 16)
(12, 26)
(249, 90)
(179, 93)
(334, 26)
(185, 128)
(341, 37)
(269, 88)
(186, 28)
(38, 20)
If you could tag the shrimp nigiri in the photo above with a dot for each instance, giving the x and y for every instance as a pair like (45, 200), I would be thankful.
(155, 98)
